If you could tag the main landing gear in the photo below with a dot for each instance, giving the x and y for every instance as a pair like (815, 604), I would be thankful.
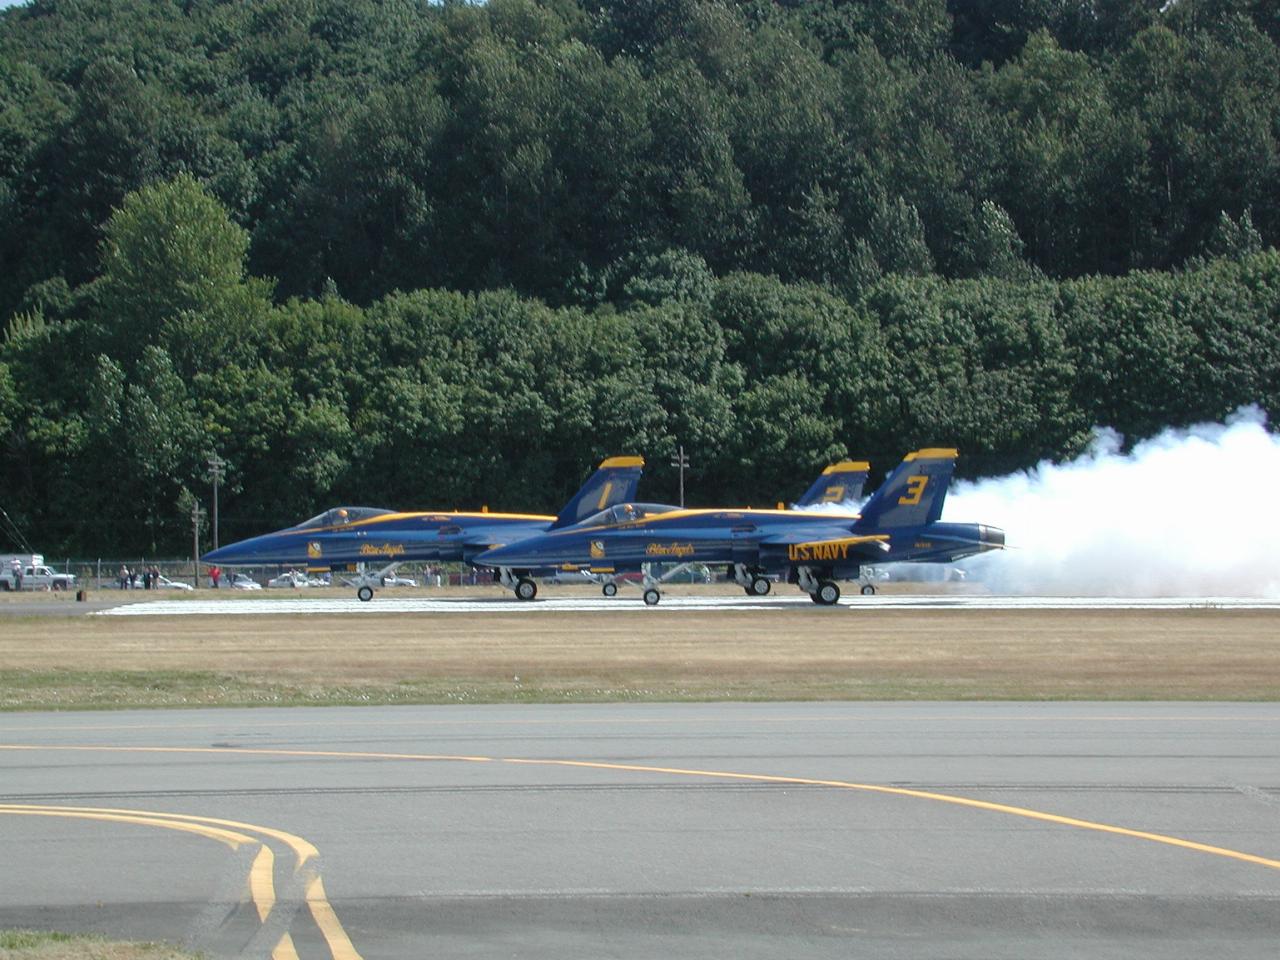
(822, 590)
(752, 580)
(827, 594)
(652, 594)
(518, 582)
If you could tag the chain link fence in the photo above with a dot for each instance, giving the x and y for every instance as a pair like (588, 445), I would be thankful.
(130, 574)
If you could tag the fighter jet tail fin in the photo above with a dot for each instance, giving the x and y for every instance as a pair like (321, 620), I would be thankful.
(914, 493)
(840, 483)
(614, 482)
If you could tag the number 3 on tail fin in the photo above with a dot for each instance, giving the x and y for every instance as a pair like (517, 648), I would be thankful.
(915, 490)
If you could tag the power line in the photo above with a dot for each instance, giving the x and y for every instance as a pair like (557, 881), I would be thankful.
(18, 539)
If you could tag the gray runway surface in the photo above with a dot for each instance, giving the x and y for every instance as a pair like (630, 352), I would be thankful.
(979, 830)
(791, 601)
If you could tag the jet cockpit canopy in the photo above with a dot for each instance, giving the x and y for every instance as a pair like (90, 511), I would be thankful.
(341, 516)
(625, 513)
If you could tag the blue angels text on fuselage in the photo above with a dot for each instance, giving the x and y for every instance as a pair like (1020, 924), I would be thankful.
(814, 550)
(343, 536)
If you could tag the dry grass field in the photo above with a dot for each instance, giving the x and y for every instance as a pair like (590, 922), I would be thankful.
(29, 945)
(629, 653)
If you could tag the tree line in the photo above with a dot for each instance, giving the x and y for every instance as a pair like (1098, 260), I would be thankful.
(411, 254)
(437, 398)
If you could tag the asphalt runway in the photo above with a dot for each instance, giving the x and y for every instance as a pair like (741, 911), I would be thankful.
(392, 604)
(983, 830)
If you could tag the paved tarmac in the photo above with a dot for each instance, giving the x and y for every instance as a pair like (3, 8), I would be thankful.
(957, 830)
(792, 600)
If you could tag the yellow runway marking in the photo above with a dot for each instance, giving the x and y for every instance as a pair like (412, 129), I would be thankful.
(261, 873)
(261, 885)
(1023, 812)
(233, 840)
(929, 795)
(301, 848)
(339, 945)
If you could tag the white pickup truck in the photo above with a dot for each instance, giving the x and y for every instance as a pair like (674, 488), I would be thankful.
(35, 574)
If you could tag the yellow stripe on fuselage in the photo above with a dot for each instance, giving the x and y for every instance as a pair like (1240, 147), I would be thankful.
(390, 517)
(736, 516)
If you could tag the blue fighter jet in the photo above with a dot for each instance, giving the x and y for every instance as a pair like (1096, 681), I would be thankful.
(355, 536)
(813, 550)
(839, 485)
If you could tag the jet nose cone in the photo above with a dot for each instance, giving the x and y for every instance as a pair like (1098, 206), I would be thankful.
(216, 556)
(493, 557)
(245, 551)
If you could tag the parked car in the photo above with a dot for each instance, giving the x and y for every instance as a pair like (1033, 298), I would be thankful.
(388, 580)
(393, 580)
(290, 578)
(242, 581)
(572, 576)
(161, 582)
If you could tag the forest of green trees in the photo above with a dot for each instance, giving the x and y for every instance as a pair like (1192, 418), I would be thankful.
(434, 255)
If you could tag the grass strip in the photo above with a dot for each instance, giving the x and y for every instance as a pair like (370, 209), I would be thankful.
(40, 945)
(108, 690)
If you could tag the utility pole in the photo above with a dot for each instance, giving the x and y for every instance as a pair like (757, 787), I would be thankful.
(216, 467)
(682, 462)
(196, 516)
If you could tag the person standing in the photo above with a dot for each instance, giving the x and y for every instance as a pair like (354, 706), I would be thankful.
(215, 574)
(16, 566)
(124, 577)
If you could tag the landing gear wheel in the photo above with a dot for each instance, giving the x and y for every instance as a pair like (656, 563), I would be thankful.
(868, 590)
(760, 587)
(365, 593)
(609, 589)
(828, 594)
(526, 589)
(651, 597)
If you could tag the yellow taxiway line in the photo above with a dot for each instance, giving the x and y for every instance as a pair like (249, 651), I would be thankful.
(985, 805)
(261, 873)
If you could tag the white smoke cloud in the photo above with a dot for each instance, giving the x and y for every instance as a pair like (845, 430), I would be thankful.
(1192, 512)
